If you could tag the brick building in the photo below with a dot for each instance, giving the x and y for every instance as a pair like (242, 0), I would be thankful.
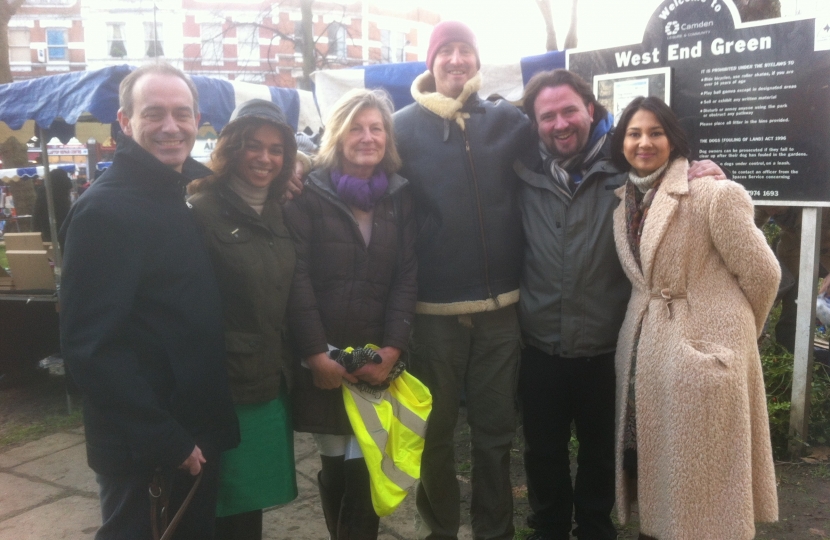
(248, 40)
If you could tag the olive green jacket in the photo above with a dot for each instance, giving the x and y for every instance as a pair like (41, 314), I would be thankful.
(253, 257)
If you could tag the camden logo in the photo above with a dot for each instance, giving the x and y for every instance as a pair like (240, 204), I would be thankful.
(672, 27)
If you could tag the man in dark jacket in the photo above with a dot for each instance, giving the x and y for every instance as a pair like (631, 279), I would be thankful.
(141, 319)
(458, 152)
(573, 300)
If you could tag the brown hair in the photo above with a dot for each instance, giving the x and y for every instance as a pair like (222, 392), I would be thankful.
(125, 89)
(666, 117)
(340, 120)
(231, 145)
(560, 77)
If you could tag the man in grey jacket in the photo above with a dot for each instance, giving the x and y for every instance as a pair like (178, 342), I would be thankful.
(458, 153)
(573, 300)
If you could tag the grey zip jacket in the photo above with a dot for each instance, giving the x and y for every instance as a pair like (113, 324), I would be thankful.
(573, 290)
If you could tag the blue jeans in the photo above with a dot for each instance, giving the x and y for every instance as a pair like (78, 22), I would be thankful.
(125, 504)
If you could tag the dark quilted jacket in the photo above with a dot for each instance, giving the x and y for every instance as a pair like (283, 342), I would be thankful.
(253, 257)
(345, 293)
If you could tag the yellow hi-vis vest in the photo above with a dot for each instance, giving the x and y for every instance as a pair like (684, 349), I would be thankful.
(390, 429)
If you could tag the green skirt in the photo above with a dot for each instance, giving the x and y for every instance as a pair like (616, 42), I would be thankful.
(259, 473)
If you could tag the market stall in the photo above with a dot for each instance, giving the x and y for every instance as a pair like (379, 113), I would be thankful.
(28, 318)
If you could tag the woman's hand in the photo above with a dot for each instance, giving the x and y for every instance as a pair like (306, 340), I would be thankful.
(327, 373)
(375, 374)
(825, 285)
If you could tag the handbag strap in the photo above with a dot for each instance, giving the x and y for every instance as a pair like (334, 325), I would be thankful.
(160, 503)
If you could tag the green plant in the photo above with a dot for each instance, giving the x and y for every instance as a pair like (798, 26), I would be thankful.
(573, 445)
(771, 231)
(821, 471)
(22, 433)
(777, 364)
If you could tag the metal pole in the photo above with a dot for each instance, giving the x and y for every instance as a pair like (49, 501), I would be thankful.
(50, 205)
(805, 327)
(155, 35)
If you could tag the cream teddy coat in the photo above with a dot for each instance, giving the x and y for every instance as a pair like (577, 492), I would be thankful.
(708, 280)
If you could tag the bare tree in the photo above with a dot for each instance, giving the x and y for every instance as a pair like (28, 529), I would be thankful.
(757, 10)
(302, 37)
(308, 45)
(570, 39)
(547, 15)
(7, 10)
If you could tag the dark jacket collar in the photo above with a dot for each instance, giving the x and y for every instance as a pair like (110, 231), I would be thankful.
(143, 168)
(271, 211)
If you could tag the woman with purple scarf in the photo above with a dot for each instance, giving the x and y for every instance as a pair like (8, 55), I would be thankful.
(354, 285)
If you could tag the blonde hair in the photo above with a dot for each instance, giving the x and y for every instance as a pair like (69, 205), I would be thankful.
(340, 120)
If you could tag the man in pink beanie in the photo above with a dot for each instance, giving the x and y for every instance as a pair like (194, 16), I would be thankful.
(458, 152)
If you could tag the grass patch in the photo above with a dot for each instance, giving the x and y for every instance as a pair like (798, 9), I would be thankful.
(14, 435)
(522, 533)
(4, 262)
(821, 471)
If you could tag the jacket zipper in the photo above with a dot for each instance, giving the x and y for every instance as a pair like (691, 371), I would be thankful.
(480, 217)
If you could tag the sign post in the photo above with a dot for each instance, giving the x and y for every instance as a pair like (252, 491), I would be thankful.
(755, 98)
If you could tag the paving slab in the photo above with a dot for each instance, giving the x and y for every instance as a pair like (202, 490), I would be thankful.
(402, 520)
(300, 519)
(303, 445)
(73, 517)
(309, 466)
(39, 448)
(67, 468)
(19, 493)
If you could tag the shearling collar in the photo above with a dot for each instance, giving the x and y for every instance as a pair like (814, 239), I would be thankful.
(423, 91)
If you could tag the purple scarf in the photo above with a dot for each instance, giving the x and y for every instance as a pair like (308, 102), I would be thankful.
(357, 192)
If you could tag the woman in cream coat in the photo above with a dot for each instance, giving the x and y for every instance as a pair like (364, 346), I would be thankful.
(693, 444)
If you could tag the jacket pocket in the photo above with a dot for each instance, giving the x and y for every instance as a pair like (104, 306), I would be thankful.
(244, 342)
(711, 354)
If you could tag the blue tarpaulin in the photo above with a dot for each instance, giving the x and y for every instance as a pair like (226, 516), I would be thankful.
(69, 95)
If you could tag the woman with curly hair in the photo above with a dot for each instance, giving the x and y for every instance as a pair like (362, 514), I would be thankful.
(253, 257)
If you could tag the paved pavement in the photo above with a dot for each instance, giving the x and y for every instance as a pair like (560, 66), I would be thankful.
(47, 492)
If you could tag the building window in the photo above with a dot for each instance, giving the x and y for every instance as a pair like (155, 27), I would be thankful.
(153, 40)
(56, 45)
(115, 40)
(19, 46)
(247, 44)
(393, 45)
(212, 53)
(337, 41)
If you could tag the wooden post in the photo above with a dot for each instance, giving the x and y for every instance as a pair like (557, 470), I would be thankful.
(805, 327)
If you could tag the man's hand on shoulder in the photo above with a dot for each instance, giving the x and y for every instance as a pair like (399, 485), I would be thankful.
(193, 463)
(705, 167)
